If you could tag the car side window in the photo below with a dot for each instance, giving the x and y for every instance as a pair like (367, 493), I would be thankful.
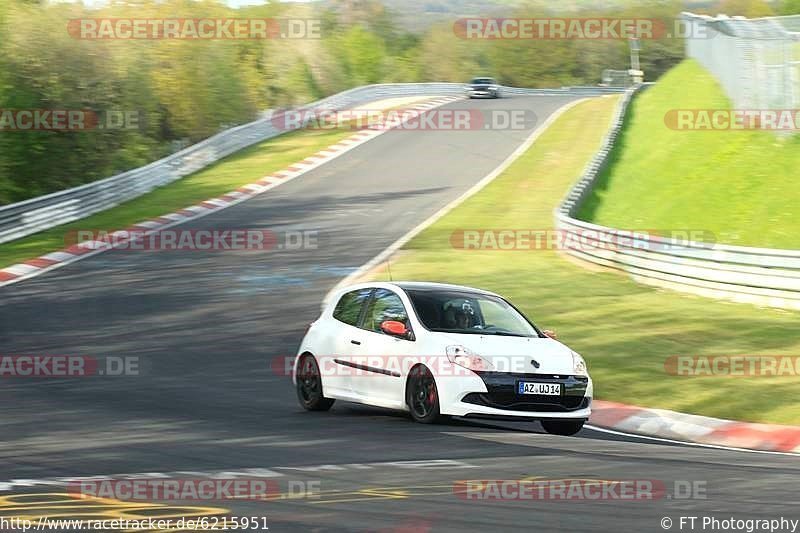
(349, 307)
(385, 305)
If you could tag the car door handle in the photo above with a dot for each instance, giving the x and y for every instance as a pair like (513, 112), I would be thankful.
(358, 343)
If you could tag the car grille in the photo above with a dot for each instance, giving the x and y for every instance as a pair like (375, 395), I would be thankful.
(515, 402)
(502, 393)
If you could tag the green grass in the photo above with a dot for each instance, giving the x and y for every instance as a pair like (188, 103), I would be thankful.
(238, 169)
(625, 330)
(740, 185)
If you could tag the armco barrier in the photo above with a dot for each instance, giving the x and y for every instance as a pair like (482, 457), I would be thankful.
(761, 276)
(37, 214)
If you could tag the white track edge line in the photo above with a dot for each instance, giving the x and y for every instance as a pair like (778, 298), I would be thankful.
(687, 443)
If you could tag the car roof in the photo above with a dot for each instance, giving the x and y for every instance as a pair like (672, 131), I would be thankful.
(333, 297)
(415, 286)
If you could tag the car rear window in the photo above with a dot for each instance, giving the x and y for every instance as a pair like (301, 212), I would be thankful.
(348, 309)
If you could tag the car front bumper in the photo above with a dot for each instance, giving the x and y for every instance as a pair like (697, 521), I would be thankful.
(494, 395)
(481, 92)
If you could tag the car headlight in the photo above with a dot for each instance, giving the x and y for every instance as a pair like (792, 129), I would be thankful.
(579, 365)
(460, 356)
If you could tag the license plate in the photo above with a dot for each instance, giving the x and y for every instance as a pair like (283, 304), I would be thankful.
(544, 389)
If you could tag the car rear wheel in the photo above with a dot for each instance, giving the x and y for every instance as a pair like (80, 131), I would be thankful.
(562, 427)
(422, 396)
(309, 385)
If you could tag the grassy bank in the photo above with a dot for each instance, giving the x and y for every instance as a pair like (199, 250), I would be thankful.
(740, 185)
(625, 330)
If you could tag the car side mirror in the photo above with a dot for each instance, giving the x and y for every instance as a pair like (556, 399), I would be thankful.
(394, 328)
(550, 333)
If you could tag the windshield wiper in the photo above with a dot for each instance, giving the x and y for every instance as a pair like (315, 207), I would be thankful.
(481, 332)
(459, 331)
(504, 334)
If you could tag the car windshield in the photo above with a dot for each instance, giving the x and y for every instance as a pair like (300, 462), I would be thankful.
(483, 81)
(467, 312)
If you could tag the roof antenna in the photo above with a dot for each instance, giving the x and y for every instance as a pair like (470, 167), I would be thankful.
(389, 269)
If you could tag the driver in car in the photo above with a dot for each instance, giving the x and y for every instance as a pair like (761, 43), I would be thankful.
(460, 316)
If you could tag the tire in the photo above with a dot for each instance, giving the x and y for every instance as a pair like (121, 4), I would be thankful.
(309, 385)
(422, 396)
(563, 427)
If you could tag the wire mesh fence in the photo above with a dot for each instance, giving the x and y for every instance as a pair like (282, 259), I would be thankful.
(757, 61)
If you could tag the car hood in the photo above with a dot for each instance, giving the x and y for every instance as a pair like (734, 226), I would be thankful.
(517, 354)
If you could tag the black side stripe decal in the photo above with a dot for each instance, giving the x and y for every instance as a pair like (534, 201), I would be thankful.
(368, 368)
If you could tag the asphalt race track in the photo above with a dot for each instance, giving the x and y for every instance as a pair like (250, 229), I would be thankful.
(208, 327)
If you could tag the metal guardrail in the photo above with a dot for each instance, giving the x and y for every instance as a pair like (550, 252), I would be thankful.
(38, 214)
(760, 276)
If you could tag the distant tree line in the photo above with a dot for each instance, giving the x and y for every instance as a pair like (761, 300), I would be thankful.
(186, 90)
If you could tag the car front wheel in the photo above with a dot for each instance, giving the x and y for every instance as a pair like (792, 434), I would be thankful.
(309, 385)
(422, 396)
(562, 427)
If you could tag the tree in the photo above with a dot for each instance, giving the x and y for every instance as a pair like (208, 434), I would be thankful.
(789, 7)
(363, 54)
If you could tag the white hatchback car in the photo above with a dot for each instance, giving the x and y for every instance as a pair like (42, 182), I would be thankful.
(433, 349)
